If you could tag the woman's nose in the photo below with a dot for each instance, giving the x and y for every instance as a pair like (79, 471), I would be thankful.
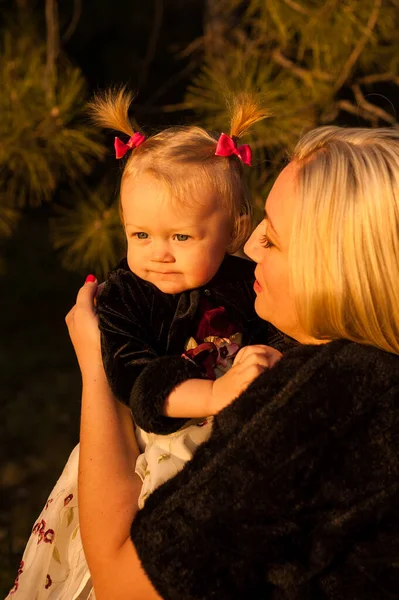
(253, 246)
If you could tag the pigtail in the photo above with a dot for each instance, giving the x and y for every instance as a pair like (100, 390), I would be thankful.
(246, 109)
(110, 109)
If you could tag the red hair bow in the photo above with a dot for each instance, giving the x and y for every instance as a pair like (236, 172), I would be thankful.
(226, 146)
(133, 142)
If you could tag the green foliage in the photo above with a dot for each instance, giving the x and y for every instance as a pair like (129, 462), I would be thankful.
(312, 62)
(89, 234)
(43, 137)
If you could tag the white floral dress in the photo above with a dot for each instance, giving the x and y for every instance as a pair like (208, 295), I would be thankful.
(53, 566)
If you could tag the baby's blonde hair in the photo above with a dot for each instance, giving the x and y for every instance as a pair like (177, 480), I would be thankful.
(344, 253)
(183, 158)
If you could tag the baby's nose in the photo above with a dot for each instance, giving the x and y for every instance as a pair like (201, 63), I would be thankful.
(161, 253)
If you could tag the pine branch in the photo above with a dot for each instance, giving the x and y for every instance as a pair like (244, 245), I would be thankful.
(77, 12)
(378, 78)
(166, 108)
(41, 141)
(285, 62)
(196, 44)
(374, 110)
(53, 46)
(9, 217)
(300, 72)
(359, 46)
(298, 8)
(89, 235)
(347, 106)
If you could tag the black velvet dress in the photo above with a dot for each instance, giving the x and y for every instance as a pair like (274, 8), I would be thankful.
(143, 333)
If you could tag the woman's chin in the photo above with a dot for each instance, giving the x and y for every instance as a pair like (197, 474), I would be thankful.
(262, 310)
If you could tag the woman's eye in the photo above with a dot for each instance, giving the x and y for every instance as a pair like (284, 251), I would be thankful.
(141, 235)
(265, 242)
(180, 237)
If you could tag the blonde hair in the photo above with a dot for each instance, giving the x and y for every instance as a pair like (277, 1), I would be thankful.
(344, 253)
(183, 158)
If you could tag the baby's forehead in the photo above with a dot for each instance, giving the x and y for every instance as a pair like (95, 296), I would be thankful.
(166, 218)
(185, 188)
(159, 201)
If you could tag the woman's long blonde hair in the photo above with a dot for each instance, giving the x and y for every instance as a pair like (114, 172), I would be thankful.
(183, 158)
(344, 253)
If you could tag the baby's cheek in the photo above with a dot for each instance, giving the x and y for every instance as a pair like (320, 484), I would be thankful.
(130, 262)
(203, 271)
(135, 265)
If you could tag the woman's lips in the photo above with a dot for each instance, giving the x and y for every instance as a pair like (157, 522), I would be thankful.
(257, 286)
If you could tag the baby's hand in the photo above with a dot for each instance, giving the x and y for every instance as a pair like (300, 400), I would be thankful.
(249, 363)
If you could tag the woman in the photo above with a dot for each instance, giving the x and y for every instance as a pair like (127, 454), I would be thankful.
(296, 494)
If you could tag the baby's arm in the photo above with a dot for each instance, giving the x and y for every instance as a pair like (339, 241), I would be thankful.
(209, 397)
(137, 374)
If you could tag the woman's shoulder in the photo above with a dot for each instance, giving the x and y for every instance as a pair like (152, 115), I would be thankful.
(329, 382)
(340, 361)
(339, 369)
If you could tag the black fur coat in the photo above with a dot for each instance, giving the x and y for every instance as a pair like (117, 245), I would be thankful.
(296, 494)
(143, 333)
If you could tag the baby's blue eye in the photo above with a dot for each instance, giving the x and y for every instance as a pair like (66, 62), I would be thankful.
(181, 237)
(141, 235)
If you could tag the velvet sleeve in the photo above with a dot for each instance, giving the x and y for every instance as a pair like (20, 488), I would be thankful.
(153, 386)
(138, 375)
(295, 495)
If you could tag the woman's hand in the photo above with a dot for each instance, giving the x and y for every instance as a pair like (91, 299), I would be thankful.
(82, 323)
(249, 363)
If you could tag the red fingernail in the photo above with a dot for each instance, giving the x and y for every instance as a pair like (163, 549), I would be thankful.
(90, 279)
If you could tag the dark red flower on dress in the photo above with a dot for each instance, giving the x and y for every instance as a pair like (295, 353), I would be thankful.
(205, 356)
(68, 499)
(223, 352)
(15, 587)
(39, 529)
(49, 582)
(49, 501)
(48, 536)
(20, 570)
(227, 350)
(214, 321)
